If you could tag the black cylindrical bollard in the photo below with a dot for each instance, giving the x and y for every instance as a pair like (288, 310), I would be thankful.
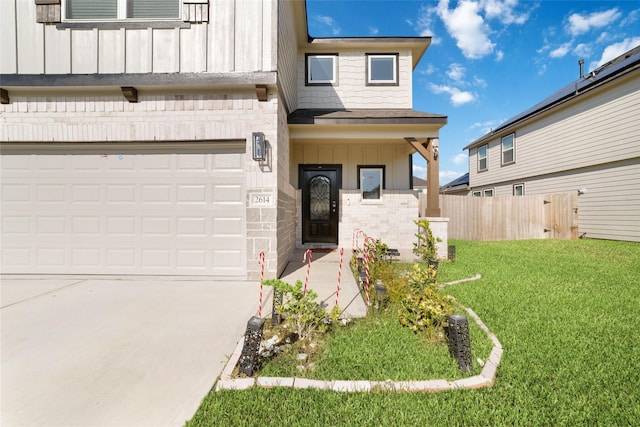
(276, 317)
(459, 343)
(252, 339)
(451, 252)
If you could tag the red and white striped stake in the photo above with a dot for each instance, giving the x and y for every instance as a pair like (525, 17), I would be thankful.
(261, 279)
(354, 243)
(306, 279)
(339, 278)
(366, 271)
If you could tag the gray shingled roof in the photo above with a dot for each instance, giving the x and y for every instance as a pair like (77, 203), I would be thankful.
(364, 116)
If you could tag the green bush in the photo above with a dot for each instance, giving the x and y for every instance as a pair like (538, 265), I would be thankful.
(425, 247)
(425, 308)
(301, 310)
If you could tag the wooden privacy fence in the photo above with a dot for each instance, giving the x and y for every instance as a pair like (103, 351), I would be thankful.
(539, 216)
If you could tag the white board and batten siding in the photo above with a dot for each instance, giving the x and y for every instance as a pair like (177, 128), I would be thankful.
(124, 211)
(239, 37)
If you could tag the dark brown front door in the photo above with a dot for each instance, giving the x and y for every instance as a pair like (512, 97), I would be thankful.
(320, 204)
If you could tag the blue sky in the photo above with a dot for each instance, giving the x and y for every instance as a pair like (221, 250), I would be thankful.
(489, 59)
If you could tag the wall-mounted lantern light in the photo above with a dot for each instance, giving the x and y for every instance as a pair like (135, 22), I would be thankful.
(259, 147)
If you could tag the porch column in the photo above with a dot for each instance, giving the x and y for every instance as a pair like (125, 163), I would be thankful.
(428, 149)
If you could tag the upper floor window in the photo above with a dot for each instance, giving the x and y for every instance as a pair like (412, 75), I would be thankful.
(382, 69)
(482, 158)
(122, 9)
(508, 149)
(322, 69)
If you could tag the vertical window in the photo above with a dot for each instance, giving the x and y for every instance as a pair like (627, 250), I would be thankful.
(123, 9)
(488, 192)
(371, 182)
(382, 69)
(518, 189)
(482, 158)
(508, 149)
(322, 69)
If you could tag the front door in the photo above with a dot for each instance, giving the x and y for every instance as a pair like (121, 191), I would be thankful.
(320, 203)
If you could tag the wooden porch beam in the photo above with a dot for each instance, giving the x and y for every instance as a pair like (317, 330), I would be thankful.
(428, 149)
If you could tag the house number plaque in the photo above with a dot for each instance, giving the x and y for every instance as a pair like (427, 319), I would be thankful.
(262, 199)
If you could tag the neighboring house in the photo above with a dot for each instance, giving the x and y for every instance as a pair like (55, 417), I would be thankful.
(419, 183)
(185, 137)
(458, 187)
(585, 138)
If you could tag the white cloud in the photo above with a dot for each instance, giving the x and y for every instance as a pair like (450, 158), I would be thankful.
(631, 18)
(456, 72)
(561, 51)
(499, 56)
(419, 171)
(504, 10)
(583, 50)
(373, 31)
(486, 127)
(465, 24)
(615, 50)
(327, 21)
(460, 159)
(480, 82)
(427, 71)
(458, 97)
(580, 24)
(424, 22)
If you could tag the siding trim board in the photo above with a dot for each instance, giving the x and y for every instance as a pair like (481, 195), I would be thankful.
(138, 79)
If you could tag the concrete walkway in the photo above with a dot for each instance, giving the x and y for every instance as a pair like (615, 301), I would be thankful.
(323, 279)
(123, 351)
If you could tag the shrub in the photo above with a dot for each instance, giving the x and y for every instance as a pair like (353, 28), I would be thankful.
(425, 247)
(301, 310)
(425, 308)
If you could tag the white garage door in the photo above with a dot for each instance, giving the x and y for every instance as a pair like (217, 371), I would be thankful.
(106, 210)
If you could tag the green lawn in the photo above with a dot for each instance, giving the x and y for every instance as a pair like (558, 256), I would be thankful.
(568, 316)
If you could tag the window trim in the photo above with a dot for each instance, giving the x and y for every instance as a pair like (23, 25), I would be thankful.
(307, 69)
(518, 185)
(396, 68)
(485, 158)
(363, 168)
(488, 190)
(513, 149)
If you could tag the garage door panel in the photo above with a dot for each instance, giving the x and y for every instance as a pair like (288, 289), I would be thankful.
(130, 213)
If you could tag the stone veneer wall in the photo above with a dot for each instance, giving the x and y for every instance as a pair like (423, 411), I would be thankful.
(391, 221)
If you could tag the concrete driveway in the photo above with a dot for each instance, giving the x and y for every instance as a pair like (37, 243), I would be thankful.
(115, 352)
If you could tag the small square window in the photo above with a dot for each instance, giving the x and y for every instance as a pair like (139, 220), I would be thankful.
(477, 194)
(382, 69)
(322, 69)
(518, 189)
(508, 149)
(482, 158)
(371, 182)
(488, 192)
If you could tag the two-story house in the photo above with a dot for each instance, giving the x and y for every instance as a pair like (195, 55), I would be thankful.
(185, 137)
(585, 138)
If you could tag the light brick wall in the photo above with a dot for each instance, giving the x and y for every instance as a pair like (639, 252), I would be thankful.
(188, 117)
(351, 90)
(390, 221)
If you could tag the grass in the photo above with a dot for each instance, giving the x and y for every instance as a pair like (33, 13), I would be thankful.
(568, 316)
